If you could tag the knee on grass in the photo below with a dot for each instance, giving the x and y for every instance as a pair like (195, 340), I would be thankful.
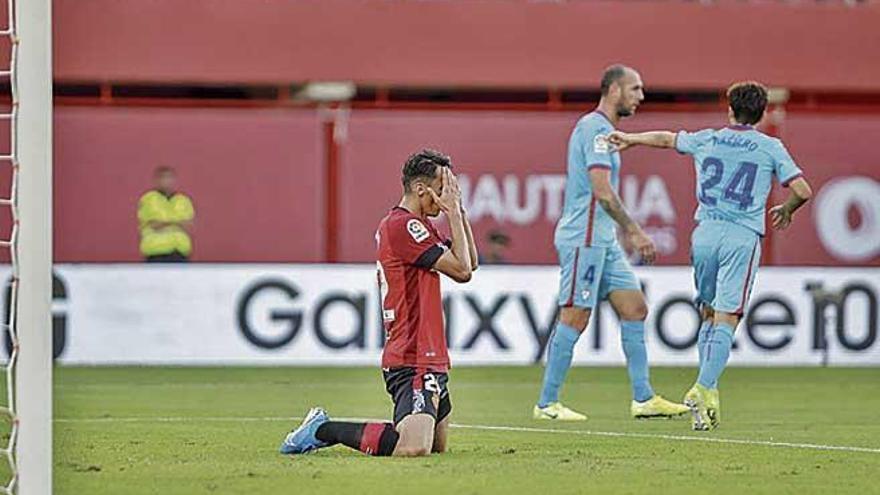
(416, 436)
(411, 451)
(439, 446)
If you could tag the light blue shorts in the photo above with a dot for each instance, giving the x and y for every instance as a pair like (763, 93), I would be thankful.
(725, 257)
(589, 274)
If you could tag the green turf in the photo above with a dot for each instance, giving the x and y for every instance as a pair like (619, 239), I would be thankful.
(99, 451)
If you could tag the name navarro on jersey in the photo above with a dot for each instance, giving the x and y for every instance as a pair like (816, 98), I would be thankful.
(735, 142)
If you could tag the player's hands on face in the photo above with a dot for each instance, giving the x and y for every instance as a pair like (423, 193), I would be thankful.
(449, 198)
(644, 246)
(780, 216)
(620, 140)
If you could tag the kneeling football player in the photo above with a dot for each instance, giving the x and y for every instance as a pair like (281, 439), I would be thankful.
(411, 252)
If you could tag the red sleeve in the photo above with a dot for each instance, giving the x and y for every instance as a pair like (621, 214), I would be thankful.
(446, 241)
(414, 242)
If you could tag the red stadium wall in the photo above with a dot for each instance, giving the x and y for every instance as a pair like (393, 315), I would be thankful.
(257, 177)
(513, 163)
(262, 179)
(514, 166)
(520, 43)
(839, 154)
(252, 175)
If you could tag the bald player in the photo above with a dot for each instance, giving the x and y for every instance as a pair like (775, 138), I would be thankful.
(593, 265)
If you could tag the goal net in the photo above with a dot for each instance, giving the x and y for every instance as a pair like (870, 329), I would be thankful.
(26, 243)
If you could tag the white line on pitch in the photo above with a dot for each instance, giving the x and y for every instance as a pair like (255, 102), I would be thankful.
(521, 429)
(174, 419)
(660, 436)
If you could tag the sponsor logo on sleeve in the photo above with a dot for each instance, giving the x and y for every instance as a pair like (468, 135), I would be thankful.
(600, 144)
(417, 230)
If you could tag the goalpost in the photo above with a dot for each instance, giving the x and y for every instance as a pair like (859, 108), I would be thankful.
(29, 367)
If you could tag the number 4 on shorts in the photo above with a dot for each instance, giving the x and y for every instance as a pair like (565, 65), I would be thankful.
(591, 272)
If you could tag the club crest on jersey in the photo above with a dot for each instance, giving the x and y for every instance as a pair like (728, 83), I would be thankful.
(600, 144)
(417, 230)
(418, 401)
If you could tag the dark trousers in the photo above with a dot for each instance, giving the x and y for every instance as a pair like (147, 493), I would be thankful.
(174, 257)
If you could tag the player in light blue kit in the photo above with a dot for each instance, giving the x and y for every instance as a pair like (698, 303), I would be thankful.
(594, 267)
(735, 169)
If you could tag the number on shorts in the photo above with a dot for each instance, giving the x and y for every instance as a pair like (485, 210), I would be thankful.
(431, 383)
(591, 273)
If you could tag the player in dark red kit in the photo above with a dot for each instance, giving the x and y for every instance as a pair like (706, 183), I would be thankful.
(411, 252)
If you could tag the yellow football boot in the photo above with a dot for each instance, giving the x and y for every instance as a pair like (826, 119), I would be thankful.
(696, 399)
(713, 407)
(657, 407)
(558, 412)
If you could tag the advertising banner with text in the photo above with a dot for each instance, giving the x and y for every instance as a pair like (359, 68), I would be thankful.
(512, 172)
(329, 315)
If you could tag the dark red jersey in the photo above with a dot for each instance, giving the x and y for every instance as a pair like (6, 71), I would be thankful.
(408, 247)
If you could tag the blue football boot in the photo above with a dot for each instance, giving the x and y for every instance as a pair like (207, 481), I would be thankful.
(302, 440)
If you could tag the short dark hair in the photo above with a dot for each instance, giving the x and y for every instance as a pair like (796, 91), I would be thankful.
(612, 75)
(748, 100)
(423, 165)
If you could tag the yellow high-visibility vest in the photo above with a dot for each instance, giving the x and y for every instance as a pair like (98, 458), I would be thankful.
(156, 207)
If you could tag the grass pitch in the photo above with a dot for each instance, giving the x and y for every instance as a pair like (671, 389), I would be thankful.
(209, 431)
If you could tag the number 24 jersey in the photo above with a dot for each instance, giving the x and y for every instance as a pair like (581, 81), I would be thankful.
(735, 169)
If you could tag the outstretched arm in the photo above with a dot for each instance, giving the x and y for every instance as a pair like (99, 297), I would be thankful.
(654, 139)
(781, 215)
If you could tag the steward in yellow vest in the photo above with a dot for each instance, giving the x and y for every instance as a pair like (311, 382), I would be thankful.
(165, 217)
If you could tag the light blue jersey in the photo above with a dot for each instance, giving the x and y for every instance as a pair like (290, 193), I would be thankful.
(592, 263)
(735, 169)
(584, 222)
